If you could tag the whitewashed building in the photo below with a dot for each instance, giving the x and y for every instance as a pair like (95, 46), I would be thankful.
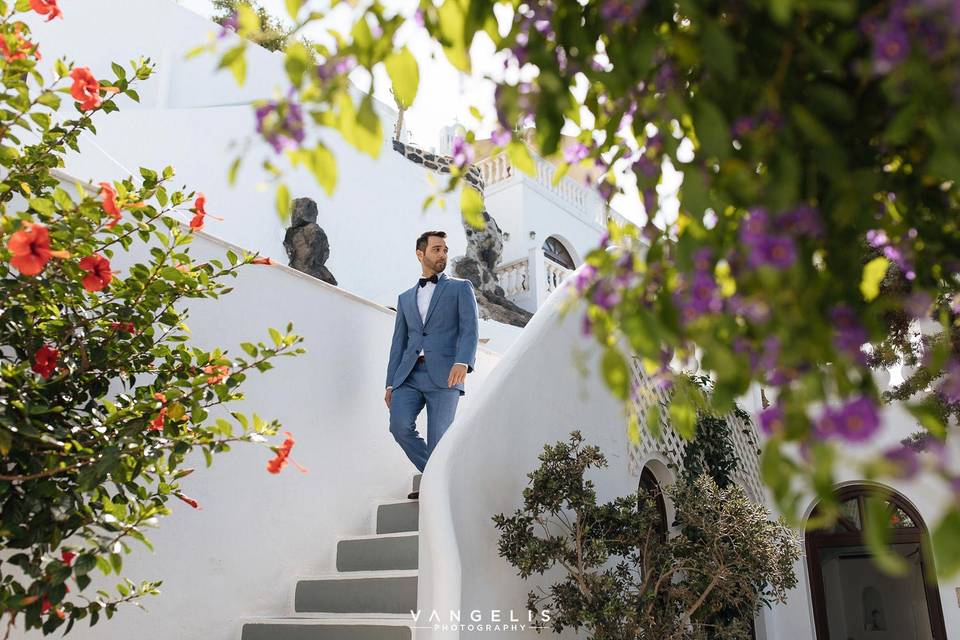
(338, 552)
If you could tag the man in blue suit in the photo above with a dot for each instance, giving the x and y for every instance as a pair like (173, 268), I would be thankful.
(434, 348)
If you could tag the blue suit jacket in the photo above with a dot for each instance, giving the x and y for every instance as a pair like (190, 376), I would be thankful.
(448, 335)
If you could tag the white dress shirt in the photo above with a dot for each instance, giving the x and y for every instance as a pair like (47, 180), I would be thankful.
(424, 294)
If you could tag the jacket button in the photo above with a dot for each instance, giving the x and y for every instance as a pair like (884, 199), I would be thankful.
(424, 333)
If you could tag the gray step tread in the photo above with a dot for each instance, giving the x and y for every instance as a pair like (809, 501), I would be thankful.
(395, 594)
(327, 629)
(398, 515)
(378, 552)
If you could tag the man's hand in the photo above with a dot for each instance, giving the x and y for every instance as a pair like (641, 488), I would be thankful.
(458, 373)
(387, 397)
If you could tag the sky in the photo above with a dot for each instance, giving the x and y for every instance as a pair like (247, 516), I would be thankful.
(445, 95)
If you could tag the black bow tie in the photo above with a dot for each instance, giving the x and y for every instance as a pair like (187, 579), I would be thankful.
(424, 281)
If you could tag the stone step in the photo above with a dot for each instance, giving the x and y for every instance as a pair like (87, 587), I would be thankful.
(343, 628)
(377, 592)
(416, 482)
(378, 552)
(397, 516)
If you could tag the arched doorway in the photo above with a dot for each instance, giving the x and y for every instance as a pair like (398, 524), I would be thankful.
(554, 249)
(650, 488)
(855, 600)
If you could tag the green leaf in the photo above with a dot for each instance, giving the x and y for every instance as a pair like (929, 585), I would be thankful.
(297, 62)
(683, 415)
(324, 167)
(718, 51)
(248, 20)
(471, 206)
(946, 543)
(453, 28)
(404, 75)
(520, 157)
(6, 439)
(877, 534)
(235, 60)
(712, 130)
(873, 273)
(283, 202)
(293, 8)
(615, 373)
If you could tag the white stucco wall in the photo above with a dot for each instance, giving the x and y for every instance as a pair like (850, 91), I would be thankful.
(534, 396)
(189, 117)
(239, 556)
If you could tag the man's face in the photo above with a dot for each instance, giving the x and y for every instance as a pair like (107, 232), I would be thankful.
(434, 258)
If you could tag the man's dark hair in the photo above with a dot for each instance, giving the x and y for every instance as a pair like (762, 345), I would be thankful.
(423, 239)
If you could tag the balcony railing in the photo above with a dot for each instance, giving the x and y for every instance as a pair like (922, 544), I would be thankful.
(582, 199)
(528, 281)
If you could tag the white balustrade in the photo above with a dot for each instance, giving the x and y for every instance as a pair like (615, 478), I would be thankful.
(514, 277)
(555, 273)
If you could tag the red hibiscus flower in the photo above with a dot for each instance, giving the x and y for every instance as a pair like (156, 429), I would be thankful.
(85, 89)
(262, 260)
(47, 8)
(190, 501)
(283, 453)
(45, 361)
(109, 196)
(218, 372)
(21, 49)
(199, 213)
(123, 326)
(67, 556)
(30, 247)
(98, 272)
(157, 423)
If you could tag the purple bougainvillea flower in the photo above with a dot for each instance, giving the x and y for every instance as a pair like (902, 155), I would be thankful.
(280, 133)
(917, 304)
(575, 152)
(646, 167)
(231, 23)
(877, 238)
(650, 202)
(802, 220)
(771, 419)
(500, 137)
(778, 251)
(742, 126)
(586, 326)
(890, 46)
(704, 294)
(605, 297)
(855, 421)
(950, 387)
(849, 335)
(461, 151)
(621, 11)
(584, 277)
(906, 460)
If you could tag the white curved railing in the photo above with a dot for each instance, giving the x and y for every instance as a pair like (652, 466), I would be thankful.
(535, 396)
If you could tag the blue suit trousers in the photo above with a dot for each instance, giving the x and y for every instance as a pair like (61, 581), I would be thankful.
(406, 404)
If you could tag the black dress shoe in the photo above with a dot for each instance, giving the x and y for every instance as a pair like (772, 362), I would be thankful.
(413, 495)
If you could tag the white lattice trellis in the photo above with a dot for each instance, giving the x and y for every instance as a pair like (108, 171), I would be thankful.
(670, 445)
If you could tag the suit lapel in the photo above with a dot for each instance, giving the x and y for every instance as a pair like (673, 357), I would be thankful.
(412, 303)
(436, 296)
